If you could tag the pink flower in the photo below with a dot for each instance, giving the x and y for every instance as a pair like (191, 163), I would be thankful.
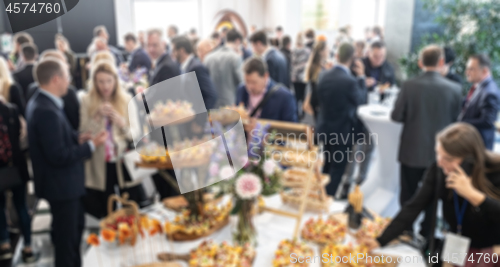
(269, 167)
(213, 169)
(226, 172)
(248, 186)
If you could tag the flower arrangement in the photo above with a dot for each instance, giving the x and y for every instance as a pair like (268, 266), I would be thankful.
(248, 187)
(257, 163)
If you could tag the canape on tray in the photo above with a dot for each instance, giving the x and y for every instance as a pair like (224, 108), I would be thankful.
(282, 256)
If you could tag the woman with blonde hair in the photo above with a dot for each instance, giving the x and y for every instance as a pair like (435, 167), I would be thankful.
(105, 107)
(9, 90)
(100, 56)
(466, 178)
(317, 62)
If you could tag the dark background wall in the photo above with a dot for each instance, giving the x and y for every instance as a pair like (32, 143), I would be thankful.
(77, 25)
(423, 24)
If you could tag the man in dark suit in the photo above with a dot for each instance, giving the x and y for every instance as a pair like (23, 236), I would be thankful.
(276, 62)
(425, 105)
(138, 57)
(70, 99)
(377, 70)
(164, 67)
(286, 50)
(279, 105)
(57, 153)
(100, 42)
(182, 51)
(24, 76)
(481, 105)
(339, 95)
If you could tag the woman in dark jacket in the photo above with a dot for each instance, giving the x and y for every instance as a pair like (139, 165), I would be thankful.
(10, 132)
(465, 173)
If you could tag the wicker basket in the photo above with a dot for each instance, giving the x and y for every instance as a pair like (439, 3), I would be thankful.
(128, 208)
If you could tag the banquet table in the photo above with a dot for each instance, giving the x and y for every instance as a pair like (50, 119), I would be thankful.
(381, 187)
(271, 229)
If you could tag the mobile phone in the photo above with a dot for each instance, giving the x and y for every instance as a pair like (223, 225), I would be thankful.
(467, 165)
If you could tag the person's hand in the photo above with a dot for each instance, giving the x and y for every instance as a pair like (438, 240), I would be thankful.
(306, 105)
(370, 82)
(107, 110)
(250, 125)
(100, 138)
(459, 181)
(359, 68)
(370, 243)
(84, 137)
(462, 184)
(117, 119)
(384, 87)
(328, 64)
(24, 128)
(2, 99)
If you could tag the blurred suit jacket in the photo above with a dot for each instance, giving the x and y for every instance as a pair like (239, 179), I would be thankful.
(71, 104)
(24, 77)
(206, 85)
(482, 111)
(277, 66)
(224, 66)
(56, 155)
(339, 95)
(165, 69)
(425, 105)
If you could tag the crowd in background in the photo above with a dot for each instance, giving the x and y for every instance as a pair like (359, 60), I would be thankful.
(75, 137)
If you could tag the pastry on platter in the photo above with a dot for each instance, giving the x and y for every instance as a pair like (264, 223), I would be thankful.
(324, 231)
(210, 254)
(286, 248)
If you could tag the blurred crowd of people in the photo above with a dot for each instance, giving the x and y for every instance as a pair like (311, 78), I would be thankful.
(75, 137)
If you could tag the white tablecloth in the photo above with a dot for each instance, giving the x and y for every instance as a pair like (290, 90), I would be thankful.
(381, 187)
(271, 230)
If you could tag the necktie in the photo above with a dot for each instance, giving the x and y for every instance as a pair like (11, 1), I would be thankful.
(471, 92)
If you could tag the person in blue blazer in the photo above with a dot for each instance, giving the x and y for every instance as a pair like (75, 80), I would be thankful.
(57, 154)
(480, 106)
(279, 105)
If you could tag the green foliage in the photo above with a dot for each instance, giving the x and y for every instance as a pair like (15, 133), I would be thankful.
(470, 27)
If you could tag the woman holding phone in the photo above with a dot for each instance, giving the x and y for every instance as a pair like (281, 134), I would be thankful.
(105, 107)
(466, 177)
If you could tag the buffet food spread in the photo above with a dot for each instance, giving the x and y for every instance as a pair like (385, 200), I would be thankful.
(210, 254)
(187, 227)
(324, 231)
(288, 247)
(171, 111)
